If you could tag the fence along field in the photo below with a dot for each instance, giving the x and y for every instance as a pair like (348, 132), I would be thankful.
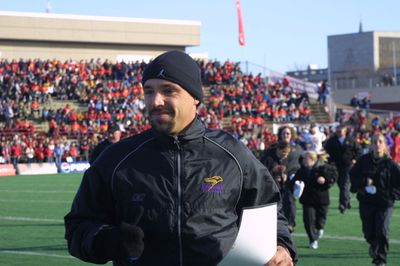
(32, 231)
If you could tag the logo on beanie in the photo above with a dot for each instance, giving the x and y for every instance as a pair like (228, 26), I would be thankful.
(212, 184)
(161, 74)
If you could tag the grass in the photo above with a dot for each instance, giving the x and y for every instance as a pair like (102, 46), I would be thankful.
(32, 230)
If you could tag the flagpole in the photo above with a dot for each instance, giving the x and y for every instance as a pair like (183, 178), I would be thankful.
(246, 59)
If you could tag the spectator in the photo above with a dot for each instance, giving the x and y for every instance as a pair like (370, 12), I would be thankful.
(113, 136)
(354, 102)
(287, 134)
(317, 178)
(375, 179)
(74, 152)
(30, 153)
(375, 123)
(275, 159)
(323, 92)
(343, 151)
(58, 154)
(40, 152)
(315, 139)
(395, 151)
(16, 152)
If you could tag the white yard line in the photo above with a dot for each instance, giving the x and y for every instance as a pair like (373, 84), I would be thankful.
(347, 238)
(31, 253)
(38, 191)
(36, 201)
(333, 237)
(30, 219)
(36, 185)
(353, 211)
(41, 254)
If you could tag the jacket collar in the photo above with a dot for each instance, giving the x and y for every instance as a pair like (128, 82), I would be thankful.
(195, 130)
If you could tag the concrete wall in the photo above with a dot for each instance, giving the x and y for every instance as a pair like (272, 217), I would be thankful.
(379, 95)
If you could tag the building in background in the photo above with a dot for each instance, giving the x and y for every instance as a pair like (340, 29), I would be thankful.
(64, 37)
(364, 59)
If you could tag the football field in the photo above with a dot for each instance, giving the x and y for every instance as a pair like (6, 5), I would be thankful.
(32, 231)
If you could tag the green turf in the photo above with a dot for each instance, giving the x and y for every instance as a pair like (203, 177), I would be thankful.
(32, 232)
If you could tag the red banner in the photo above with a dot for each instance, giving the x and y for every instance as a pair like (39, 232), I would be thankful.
(241, 29)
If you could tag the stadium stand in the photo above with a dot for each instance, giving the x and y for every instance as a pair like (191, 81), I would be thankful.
(50, 106)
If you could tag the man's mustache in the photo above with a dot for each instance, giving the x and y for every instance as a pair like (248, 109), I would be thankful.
(161, 110)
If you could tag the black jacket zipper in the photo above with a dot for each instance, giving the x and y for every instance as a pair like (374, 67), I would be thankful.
(179, 204)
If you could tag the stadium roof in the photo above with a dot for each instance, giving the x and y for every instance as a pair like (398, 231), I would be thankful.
(98, 18)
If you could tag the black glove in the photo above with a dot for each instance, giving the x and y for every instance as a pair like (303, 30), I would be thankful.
(122, 243)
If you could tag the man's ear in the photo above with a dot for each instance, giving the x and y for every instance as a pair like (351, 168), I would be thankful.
(196, 102)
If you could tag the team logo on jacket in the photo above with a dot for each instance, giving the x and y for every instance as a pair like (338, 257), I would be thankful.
(138, 197)
(213, 184)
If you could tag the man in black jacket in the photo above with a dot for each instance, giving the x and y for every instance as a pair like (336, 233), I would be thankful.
(376, 180)
(113, 136)
(172, 195)
(343, 151)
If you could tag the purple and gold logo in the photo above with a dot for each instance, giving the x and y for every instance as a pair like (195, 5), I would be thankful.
(213, 184)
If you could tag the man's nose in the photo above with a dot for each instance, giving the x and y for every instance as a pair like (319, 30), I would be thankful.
(158, 99)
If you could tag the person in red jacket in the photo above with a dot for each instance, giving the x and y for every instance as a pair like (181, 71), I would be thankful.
(16, 152)
(74, 152)
(39, 152)
(395, 152)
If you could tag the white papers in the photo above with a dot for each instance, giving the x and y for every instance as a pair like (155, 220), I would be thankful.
(255, 243)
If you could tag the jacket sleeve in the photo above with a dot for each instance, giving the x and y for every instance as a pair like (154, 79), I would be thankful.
(91, 210)
(294, 162)
(330, 174)
(356, 178)
(259, 189)
(357, 150)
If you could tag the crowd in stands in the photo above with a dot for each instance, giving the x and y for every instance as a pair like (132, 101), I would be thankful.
(236, 95)
(111, 93)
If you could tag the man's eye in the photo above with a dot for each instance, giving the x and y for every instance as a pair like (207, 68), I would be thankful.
(168, 91)
(148, 92)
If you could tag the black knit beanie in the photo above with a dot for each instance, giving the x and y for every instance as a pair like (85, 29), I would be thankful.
(177, 67)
